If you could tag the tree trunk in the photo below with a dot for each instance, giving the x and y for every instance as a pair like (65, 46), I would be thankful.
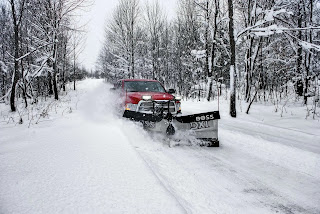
(54, 65)
(23, 86)
(309, 66)
(15, 76)
(74, 67)
(299, 52)
(132, 60)
(50, 90)
(255, 94)
(63, 72)
(213, 50)
(233, 112)
(132, 42)
(74, 77)
(249, 70)
(153, 60)
(210, 89)
(208, 73)
(55, 88)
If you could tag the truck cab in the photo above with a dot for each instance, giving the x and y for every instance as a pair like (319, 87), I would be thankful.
(147, 96)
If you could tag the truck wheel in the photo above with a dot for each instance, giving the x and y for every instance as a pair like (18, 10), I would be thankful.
(170, 130)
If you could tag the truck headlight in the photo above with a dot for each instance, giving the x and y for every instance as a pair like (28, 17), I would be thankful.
(178, 98)
(146, 97)
(131, 106)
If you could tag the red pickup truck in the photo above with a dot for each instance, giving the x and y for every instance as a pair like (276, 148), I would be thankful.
(147, 96)
(159, 110)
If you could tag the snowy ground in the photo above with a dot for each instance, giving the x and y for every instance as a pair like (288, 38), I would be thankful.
(87, 159)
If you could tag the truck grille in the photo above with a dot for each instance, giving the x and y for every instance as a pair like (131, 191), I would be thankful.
(146, 106)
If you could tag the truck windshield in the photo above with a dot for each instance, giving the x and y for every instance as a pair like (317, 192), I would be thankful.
(143, 86)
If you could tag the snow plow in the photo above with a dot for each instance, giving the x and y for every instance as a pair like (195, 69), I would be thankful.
(147, 101)
(203, 126)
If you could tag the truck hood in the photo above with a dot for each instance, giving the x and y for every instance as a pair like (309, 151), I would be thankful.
(135, 97)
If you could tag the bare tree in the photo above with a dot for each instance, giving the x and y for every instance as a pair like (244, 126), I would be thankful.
(155, 22)
(122, 34)
(17, 14)
(34, 45)
(233, 111)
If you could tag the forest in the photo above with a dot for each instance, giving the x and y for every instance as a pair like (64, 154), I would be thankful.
(254, 50)
(39, 47)
(251, 51)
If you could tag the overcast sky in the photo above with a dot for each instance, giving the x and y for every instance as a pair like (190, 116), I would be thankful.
(101, 11)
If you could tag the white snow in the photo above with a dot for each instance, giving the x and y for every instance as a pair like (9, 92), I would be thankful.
(270, 14)
(309, 46)
(81, 164)
(93, 161)
(198, 54)
(267, 31)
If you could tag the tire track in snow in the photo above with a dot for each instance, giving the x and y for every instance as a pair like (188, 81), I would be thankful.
(237, 182)
(301, 140)
(258, 180)
(135, 132)
(256, 188)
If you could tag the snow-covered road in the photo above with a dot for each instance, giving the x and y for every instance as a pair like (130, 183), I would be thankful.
(93, 161)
